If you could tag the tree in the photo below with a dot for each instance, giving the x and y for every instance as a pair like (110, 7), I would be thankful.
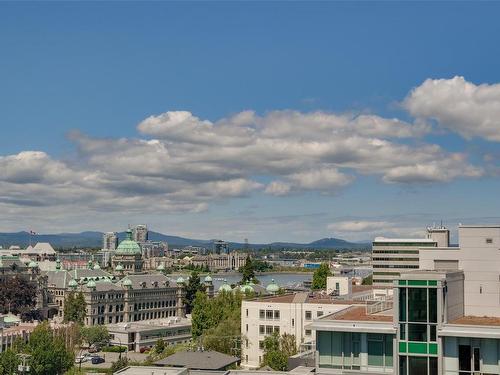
(95, 335)
(74, 308)
(319, 277)
(193, 286)
(9, 362)
(248, 271)
(119, 364)
(217, 322)
(368, 280)
(17, 295)
(277, 350)
(48, 352)
(159, 346)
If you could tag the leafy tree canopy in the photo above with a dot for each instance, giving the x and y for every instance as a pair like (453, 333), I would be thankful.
(319, 277)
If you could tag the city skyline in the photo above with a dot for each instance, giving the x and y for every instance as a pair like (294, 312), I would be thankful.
(350, 126)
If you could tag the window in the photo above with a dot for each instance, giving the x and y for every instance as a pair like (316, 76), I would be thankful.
(417, 332)
(417, 365)
(417, 304)
(262, 314)
(276, 314)
(308, 332)
(261, 345)
(247, 313)
(319, 313)
(308, 315)
(246, 327)
(277, 329)
(269, 330)
(269, 314)
(379, 350)
(489, 240)
(262, 330)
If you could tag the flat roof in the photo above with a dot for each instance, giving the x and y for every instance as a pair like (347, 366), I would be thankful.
(145, 325)
(200, 360)
(358, 313)
(410, 240)
(304, 297)
(477, 320)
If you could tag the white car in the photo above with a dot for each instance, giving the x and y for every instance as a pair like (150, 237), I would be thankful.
(82, 358)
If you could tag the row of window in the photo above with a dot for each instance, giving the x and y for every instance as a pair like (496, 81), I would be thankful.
(268, 330)
(269, 314)
(154, 305)
(395, 259)
(395, 251)
(406, 244)
(395, 266)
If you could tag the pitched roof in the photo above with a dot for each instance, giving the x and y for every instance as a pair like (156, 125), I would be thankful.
(44, 248)
(149, 280)
(202, 360)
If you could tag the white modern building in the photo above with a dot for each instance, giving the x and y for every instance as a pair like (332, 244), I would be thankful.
(445, 318)
(392, 256)
(289, 313)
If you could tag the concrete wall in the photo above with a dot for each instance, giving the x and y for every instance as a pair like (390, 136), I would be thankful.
(480, 260)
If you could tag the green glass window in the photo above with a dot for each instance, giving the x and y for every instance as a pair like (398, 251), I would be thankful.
(403, 368)
(417, 332)
(375, 349)
(337, 349)
(417, 365)
(402, 331)
(325, 348)
(433, 305)
(417, 304)
(388, 350)
(402, 304)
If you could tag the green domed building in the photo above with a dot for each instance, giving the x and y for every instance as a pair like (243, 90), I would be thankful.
(129, 255)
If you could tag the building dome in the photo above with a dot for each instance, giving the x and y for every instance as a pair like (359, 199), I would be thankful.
(97, 266)
(91, 284)
(208, 279)
(119, 267)
(273, 287)
(127, 283)
(161, 267)
(32, 264)
(247, 288)
(72, 283)
(128, 246)
(180, 280)
(225, 287)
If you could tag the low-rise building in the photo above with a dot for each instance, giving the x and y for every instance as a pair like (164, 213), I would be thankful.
(144, 334)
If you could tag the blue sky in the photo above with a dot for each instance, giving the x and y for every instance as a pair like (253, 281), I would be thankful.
(78, 78)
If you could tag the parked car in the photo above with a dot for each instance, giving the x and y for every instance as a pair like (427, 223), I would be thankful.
(97, 360)
(81, 359)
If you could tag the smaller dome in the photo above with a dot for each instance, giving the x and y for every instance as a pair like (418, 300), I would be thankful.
(119, 267)
(273, 287)
(225, 287)
(91, 284)
(247, 288)
(97, 266)
(32, 264)
(208, 279)
(58, 264)
(161, 267)
(72, 283)
(127, 283)
(180, 280)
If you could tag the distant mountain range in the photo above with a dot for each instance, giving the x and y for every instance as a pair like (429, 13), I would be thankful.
(94, 239)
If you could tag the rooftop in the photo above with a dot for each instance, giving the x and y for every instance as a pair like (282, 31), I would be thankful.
(202, 360)
(358, 313)
(146, 325)
(303, 297)
(403, 240)
(477, 321)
